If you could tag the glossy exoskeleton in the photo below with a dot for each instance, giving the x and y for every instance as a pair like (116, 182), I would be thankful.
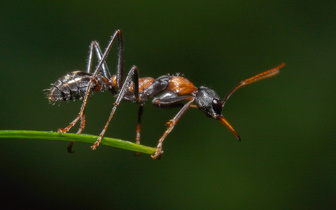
(166, 91)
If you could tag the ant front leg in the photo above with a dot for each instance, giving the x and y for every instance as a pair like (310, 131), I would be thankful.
(168, 100)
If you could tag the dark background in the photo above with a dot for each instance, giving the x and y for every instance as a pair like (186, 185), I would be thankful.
(287, 155)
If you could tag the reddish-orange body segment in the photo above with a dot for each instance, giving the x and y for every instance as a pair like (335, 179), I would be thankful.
(144, 83)
(181, 85)
(98, 84)
(114, 81)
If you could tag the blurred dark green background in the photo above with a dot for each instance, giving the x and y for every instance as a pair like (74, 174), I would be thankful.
(287, 155)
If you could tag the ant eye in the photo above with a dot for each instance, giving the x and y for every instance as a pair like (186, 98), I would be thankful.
(217, 105)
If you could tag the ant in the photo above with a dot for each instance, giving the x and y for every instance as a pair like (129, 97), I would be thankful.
(166, 91)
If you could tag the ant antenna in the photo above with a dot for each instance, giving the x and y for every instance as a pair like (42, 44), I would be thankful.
(263, 75)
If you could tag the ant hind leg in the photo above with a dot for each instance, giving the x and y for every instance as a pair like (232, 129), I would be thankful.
(100, 65)
(81, 128)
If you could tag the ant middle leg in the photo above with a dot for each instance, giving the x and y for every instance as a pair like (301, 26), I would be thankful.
(133, 73)
(138, 129)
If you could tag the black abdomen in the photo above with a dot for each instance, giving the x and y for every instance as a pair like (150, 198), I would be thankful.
(70, 87)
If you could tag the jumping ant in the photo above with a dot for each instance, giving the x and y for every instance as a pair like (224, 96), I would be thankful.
(166, 91)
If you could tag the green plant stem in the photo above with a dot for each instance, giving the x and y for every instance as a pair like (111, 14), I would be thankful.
(27, 134)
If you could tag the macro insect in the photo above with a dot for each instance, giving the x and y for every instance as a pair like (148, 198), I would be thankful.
(166, 91)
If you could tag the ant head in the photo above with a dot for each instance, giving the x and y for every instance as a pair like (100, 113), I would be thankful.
(208, 101)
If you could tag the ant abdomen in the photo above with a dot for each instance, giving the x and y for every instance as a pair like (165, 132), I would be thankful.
(74, 85)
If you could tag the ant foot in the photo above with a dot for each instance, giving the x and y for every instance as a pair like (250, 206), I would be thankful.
(96, 144)
(62, 130)
(94, 147)
(157, 155)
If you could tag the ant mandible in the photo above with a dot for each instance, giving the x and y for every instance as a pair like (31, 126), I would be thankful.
(167, 91)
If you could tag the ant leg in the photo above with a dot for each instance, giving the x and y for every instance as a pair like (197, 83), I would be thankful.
(81, 128)
(171, 123)
(132, 73)
(89, 63)
(138, 129)
(140, 111)
(120, 60)
(82, 125)
(99, 54)
(120, 68)
(104, 67)
(169, 99)
(64, 130)
(69, 148)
